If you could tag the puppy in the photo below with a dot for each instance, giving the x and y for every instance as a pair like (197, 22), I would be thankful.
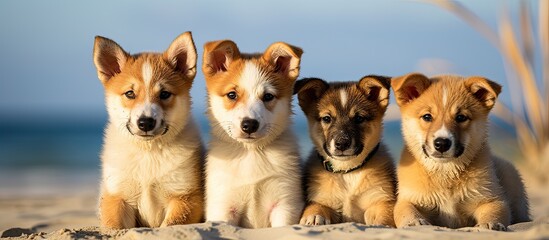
(152, 154)
(350, 176)
(252, 167)
(446, 175)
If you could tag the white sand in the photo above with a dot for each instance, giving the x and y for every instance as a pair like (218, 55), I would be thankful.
(209, 230)
(71, 215)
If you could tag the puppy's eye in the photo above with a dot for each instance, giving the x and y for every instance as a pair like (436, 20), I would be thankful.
(232, 95)
(461, 118)
(165, 95)
(427, 117)
(130, 94)
(267, 97)
(359, 119)
(326, 119)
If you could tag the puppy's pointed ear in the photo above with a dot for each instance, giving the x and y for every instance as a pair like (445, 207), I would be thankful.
(483, 90)
(308, 92)
(285, 58)
(409, 87)
(376, 88)
(218, 56)
(181, 54)
(109, 58)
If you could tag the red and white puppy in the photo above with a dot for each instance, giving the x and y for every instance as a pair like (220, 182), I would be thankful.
(152, 153)
(252, 170)
(447, 175)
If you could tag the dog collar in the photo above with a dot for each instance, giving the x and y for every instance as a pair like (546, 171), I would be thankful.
(328, 165)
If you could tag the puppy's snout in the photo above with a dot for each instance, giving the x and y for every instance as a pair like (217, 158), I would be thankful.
(343, 142)
(146, 124)
(249, 125)
(442, 144)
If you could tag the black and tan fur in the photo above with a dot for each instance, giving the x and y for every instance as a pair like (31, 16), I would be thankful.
(345, 125)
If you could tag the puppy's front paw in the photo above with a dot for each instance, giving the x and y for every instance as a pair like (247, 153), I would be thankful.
(492, 226)
(314, 220)
(417, 222)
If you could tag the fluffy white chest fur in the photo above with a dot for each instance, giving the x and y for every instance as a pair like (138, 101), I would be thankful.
(254, 187)
(147, 173)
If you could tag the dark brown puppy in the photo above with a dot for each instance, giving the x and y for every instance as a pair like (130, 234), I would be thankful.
(349, 175)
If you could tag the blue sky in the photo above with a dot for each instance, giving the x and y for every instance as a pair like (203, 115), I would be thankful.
(46, 46)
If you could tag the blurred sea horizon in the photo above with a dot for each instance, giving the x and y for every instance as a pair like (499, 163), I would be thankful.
(74, 143)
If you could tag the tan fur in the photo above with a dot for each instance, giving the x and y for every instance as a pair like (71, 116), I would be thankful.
(468, 189)
(185, 209)
(150, 178)
(131, 78)
(323, 214)
(116, 213)
(365, 195)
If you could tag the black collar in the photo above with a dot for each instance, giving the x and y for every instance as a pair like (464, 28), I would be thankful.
(328, 165)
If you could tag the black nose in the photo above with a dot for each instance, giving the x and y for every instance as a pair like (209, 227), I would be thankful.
(249, 126)
(442, 144)
(343, 143)
(146, 123)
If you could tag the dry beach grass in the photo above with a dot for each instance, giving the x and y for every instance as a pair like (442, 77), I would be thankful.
(529, 110)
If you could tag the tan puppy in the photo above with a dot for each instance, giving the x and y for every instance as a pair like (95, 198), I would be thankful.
(152, 153)
(253, 177)
(350, 177)
(447, 176)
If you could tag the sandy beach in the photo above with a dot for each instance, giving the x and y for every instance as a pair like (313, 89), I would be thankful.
(72, 215)
(53, 107)
(214, 230)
